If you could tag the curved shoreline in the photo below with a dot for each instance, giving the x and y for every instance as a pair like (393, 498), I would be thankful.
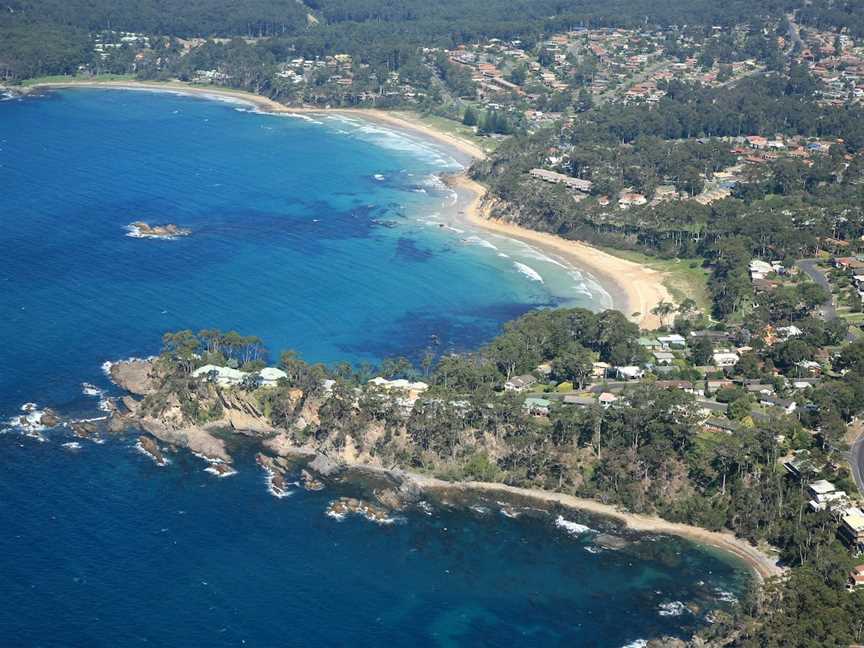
(760, 564)
(631, 287)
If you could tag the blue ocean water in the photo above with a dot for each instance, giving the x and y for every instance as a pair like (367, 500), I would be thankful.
(101, 547)
(330, 236)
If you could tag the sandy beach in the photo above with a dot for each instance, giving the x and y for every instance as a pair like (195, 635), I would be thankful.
(634, 289)
(762, 565)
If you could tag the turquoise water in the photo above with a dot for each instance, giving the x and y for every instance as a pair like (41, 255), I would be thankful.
(333, 238)
(324, 235)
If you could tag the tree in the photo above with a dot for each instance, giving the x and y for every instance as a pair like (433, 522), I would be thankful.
(469, 118)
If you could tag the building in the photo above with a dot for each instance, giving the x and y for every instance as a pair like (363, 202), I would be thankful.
(852, 528)
(520, 383)
(222, 376)
(553, 177)
(411, 389)
(716, 424)
(629, 373)
(672, 341)
(856, 578)
(664, 357)
(270, 376)
(725, 359)
(824, 495)
(788, 406)
(607, 399)
(537, 406)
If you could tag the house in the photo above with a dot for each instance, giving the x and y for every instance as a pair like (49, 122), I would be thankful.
(852, 528)
(787, 332)
(559, 178)
(222, 376)
(607, 399)
(849, 263)
(270, 376)
(600, 369)
(809, 367)
(788, 406)
(856, 578)
(715, 424)
(683, 385)
(650, 343)
(725, 359)
(801, 464)
(664, 357)
(672, 341)
(824, 495)
(629, 373)
(412, 389)
(520, 383)
(537, 406)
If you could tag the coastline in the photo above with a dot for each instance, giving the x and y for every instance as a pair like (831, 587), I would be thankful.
(633, 288)
(760, 564)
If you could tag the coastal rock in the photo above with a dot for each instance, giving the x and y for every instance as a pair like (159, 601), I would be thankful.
(84, 429)
(324, 465)
(135, 376)
(140, 229)
(194, 438)
(610, 541)
(148, 445)
(345, 506)
(309, 482)
(389, 498)
(49, 419)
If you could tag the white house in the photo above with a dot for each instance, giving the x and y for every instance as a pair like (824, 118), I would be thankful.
(520, 383)
(270, 376)
(725, 359)
(413, 389)
(673, 340)
(629, 373)
(224, 376)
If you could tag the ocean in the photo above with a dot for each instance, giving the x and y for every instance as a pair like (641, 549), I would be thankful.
(325, 234)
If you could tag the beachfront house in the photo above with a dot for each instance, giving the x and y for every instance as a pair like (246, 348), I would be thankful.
(222, 376)
(270, 376)
(537, 406)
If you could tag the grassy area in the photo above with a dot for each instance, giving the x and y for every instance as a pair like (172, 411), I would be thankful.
(684, 277)
(66, 78)
(452, 127)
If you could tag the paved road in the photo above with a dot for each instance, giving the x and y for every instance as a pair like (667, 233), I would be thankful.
(856, 462)
(828, 310)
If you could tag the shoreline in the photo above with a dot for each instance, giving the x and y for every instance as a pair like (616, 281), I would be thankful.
(632, 288)
(758, 562)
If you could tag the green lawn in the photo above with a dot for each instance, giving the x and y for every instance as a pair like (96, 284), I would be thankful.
(684, 277)
(451, 127)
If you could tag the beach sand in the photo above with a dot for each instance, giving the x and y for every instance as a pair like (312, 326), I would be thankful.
(762, 565)
(634, 289)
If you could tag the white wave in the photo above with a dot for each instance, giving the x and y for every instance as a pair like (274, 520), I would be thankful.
(165, 461)
(528, 271)
(480, 510)
(481, 242)
(220, 474)
(30, 422)
(674, 608)
(336, 516)
(274, 490)
(379, 177)
(726, 597)
(638, 643)
(91, 390)
(72, 445)
(573, 528)
(593, 550)
(425, 507)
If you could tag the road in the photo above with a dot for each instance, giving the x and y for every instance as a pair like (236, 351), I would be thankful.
(810, 267)
(856, 462)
